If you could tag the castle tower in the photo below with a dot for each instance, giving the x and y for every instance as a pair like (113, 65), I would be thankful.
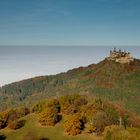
(114, 49)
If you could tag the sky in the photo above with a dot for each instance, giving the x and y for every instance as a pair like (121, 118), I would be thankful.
(43, 37)
(70, 22)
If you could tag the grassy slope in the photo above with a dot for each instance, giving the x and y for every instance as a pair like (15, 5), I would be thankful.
(51, 133)
(106, 79)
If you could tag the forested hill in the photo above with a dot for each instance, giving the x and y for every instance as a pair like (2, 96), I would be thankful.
(107, 79)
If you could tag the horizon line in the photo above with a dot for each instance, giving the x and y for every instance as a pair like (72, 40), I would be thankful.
(71, 45)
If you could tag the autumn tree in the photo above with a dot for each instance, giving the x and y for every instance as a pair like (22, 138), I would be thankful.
(53, 103)
(67, 103)
(49, 116)
(89, 127)
(40, 106)
(73, 125)
(11, 115)
(3, 119)
(71, 104)
(17, 124)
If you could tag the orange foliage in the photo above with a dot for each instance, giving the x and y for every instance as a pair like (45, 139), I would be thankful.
(73, 125)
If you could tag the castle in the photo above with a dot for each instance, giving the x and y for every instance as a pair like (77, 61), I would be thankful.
(120, 57)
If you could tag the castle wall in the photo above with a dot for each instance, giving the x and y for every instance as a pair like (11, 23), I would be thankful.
(124, 60)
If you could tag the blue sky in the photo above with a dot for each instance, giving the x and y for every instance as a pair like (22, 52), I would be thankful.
(70, 22)
(29, 27)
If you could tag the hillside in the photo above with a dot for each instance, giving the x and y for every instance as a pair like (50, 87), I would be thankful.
(45, 133)
(70, 117)
(107, 79)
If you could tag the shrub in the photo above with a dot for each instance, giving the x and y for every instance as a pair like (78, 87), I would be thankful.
(135, 133)
(3, 119)
(2, 137)
(110, 131)
(11, 115)
(111, 114)
(89, 128)
(79, 102)
(17, 124)
(126, 120)
(43, 139)
(73, 125)
(88, 111)
(53, 103)
(122, 135)
(16, 113)
(72, 104)
(22, 111)
(135, 121)
(39, 107)
(100, 121)
(49, 117)
(114, 132)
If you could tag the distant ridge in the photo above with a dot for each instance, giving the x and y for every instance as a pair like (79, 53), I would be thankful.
(108, 79)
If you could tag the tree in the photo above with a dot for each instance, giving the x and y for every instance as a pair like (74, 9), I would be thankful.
(125, 120)
(112, 115)
(38, 107)
(3, 119)
(2, 137)
(71, 104)
(12, 115)
(17, 124)
(49, 116)
(100, 121)
(110, 131)
(89, 127)
(73, 125)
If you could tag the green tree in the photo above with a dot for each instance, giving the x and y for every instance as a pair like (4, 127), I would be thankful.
(125, 120)
(112, 115)
(100, 121)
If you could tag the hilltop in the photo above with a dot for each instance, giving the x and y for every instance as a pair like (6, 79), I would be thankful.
(108, 79)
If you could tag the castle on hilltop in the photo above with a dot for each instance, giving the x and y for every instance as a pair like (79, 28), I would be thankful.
(120, 56)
